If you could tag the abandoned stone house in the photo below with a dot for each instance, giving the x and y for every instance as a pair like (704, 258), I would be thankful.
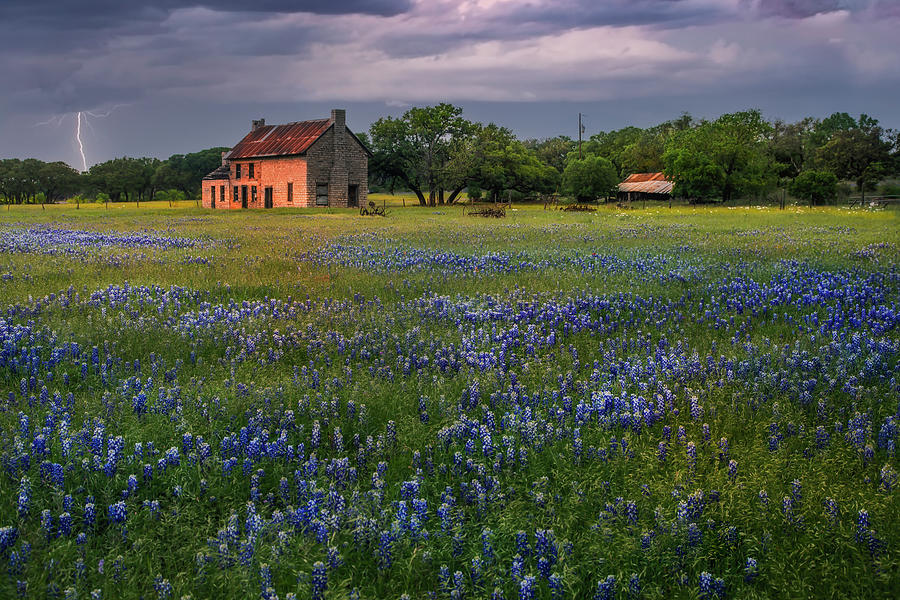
(307, 163)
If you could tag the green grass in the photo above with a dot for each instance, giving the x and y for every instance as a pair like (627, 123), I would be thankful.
(364, 323)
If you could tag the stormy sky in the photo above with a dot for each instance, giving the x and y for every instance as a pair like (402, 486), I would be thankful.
(170, 76)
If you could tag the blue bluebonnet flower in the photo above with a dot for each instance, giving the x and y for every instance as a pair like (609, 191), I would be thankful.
(118, 512)
(65, 524)
(459, 585)
(516, 570)
(265, 577)
(334, 558)
(319, 581)
(751, 569)
(163, 588)
(862, 525)
(797, 491)
(706, 585)
(694, 535)
(522, 546)
(545, 545)
(477, 571)
(631, 511)
(634, 586)
(24, 498)
(555, 584)
(691, 452)
(8, 537)
(527, 588)
(732, 469)
(47, 523)
(385, 554)
(888, 477)
(606, 589)
(543, 566)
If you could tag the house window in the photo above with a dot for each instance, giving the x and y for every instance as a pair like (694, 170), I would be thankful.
(222, 194)
(250, 170)
(253, 194)
(237, 171)
(322, 194)
(236, 194)
(290, 197)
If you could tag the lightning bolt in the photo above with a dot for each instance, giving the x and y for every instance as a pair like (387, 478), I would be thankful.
(81, 115)
(80, 143)
(55, 120)
(105, 114)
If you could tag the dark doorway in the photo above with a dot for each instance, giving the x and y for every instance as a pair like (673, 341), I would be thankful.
(212, 195)
(353, 196)
(243, 196)
(268, 197)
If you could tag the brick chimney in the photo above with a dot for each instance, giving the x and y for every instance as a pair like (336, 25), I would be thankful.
(337, 188)
(224, 160)
(257, 123)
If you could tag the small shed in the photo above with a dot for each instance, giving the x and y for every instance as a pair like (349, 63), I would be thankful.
(646, 186)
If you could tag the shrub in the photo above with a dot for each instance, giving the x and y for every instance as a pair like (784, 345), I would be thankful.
(816, 187)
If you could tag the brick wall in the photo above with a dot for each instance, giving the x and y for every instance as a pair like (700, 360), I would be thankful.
(336, 158)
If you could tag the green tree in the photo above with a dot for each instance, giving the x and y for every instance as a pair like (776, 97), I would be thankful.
(789, 146)
(11, 180)
(725, 158)
(611, 145)
(415, 150)
(500, 162)
(552, 151)
(589, 178)
(861, 154)
(170, 196)
(185, 171)
(822, 131)
(816, 187)
(56, 180)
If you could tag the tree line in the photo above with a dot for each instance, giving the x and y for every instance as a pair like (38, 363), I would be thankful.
(436, 153)
(120, 179)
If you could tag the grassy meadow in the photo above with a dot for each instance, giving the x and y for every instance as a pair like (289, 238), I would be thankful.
(695, 402)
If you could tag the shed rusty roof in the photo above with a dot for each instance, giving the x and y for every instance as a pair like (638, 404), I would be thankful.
(649, 183)
(280, 140)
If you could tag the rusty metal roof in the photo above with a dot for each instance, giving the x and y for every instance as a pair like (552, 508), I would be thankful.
(649, 183)
(280, 140)
(221, 172)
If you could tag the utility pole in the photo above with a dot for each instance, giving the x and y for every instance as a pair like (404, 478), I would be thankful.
(580, 131)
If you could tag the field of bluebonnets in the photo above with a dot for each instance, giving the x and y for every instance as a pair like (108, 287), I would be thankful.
(684, 403)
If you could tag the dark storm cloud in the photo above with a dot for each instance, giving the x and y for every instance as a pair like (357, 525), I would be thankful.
(191, 73)
(100, 13)
(584, 13)
(798, 9)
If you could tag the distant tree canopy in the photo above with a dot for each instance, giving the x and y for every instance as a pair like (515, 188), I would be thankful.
(120, 179)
